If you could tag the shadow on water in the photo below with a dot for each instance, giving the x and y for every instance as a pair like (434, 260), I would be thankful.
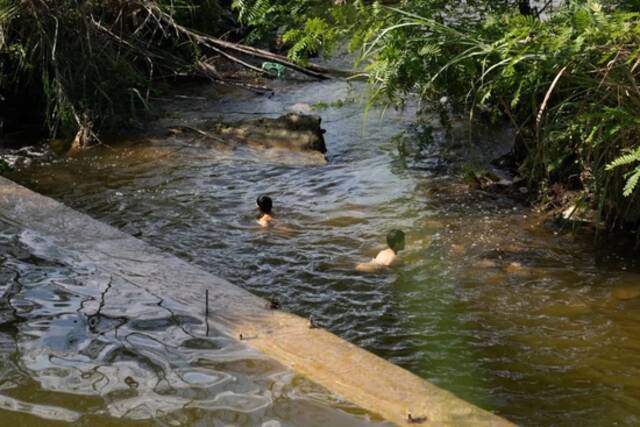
(521, 318)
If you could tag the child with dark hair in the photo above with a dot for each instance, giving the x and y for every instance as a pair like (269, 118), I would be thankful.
(265, 204)
(386, 257)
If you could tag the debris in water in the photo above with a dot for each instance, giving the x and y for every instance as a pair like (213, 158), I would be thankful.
(417, 420)
(312, 323)
(129, 381)
(276, 70)
(273, 304)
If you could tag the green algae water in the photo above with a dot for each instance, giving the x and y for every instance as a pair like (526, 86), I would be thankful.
(533, 322)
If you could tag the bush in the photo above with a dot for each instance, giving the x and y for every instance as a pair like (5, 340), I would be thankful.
(89, 64)
(568, 84)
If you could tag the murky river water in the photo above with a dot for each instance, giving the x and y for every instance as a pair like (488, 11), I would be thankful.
(527, 320)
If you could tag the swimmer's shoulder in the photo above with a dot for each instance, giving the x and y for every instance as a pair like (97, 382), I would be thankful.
(386, 257)
(265, 220)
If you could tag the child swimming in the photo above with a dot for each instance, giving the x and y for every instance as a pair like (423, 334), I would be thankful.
(265, 204)
(386, 257)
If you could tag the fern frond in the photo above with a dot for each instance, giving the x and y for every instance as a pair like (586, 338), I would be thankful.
(252, 11)
(625, 159)
(632, 182)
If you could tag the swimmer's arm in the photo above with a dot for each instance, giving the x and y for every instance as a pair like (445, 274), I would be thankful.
(369, 267)
(375, 266)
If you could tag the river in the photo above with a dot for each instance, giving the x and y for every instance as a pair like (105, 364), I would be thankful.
(535, 322)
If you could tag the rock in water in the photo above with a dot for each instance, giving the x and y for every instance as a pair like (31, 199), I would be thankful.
(300, 108)
(626, 293)
(291, 131)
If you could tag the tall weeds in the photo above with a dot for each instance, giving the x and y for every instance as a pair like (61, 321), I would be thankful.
(89, 64)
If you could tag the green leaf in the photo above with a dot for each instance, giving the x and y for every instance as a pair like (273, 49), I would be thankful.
(632, 182)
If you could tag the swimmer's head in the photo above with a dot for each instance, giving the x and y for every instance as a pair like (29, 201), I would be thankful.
(265, 204)
(395, 240)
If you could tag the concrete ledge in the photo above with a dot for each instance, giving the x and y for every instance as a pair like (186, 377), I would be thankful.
(352, 373)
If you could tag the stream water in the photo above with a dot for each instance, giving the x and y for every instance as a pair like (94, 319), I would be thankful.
(533, 322)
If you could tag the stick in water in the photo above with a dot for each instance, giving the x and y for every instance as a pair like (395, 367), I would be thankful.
(206, 310)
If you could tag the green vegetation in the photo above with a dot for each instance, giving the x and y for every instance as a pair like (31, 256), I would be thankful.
(568, 85)
(566, 81)
(4, 166)
(306, 28)
(265, 18)
(78, 67)
(89, 65)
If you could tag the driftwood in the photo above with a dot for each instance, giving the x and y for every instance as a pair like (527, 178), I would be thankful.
(222, 47)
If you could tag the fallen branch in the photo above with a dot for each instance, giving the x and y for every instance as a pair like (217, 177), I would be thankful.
(210, 72)
(310, 69)
(234, 59)
(198, 131)
(546, 100)
(218, 45)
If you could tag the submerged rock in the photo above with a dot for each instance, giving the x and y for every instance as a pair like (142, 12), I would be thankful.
(300, 108)
(290, 131)
(11, 159)
(485, 263)
(625, 293)
(518, 269)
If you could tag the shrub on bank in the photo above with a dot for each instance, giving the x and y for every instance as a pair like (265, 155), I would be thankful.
(569, 84)
(78, 66)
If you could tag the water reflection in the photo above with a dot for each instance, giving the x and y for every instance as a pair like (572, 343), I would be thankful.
(79, 346)
(521, 318)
